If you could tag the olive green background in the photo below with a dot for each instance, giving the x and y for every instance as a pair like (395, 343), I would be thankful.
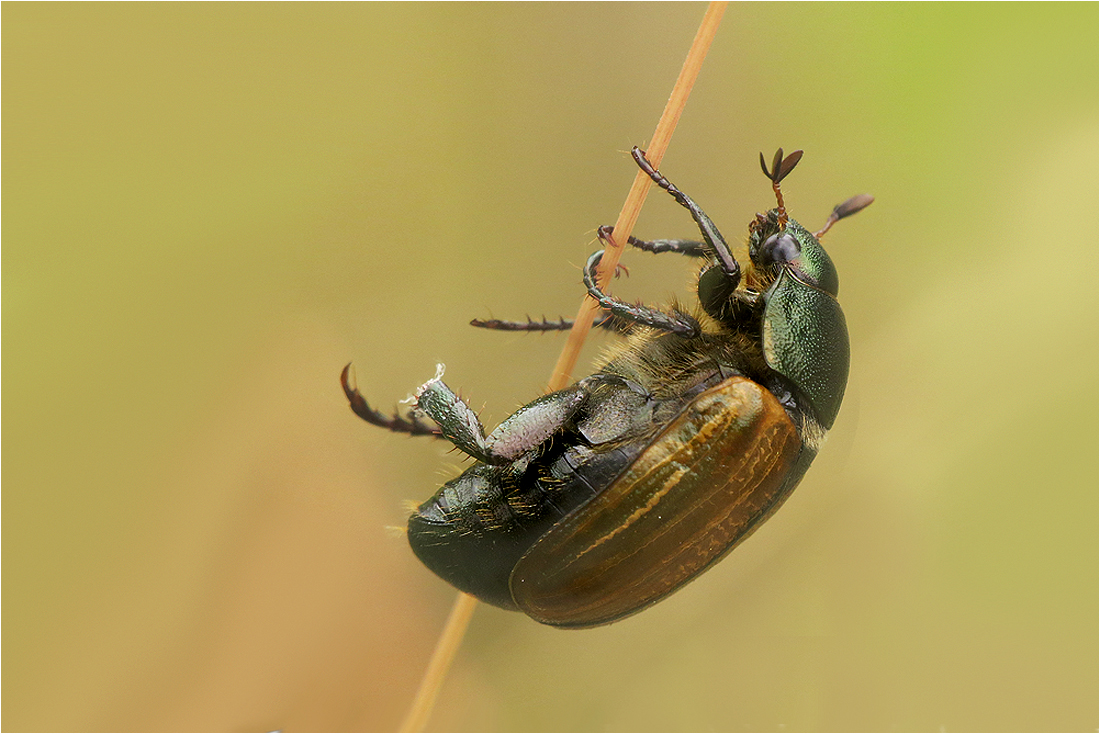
(209, 209)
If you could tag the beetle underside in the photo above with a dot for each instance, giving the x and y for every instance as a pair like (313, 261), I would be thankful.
(591, 503)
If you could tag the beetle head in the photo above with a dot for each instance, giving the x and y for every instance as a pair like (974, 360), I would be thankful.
(794, 248)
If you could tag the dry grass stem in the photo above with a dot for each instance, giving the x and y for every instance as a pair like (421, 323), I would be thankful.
(632, 207)
(463, 609)
(442, 657)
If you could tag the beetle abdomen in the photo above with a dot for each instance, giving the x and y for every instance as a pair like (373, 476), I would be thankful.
(457, 534)
(712, 475)
(475, 529)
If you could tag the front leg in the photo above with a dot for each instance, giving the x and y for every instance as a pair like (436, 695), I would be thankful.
(714, 239)
(524, 431)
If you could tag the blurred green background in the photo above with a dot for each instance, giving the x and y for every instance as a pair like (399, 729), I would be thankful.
(209, 209)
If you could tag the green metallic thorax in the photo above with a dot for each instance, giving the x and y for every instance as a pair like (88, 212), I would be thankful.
(804, 336)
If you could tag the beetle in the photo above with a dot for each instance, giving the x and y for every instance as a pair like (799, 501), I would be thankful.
(594, 502)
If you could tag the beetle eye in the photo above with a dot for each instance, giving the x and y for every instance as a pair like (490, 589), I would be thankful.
(781, 248)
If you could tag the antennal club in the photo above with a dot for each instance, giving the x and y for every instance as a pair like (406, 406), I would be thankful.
(780, 168)
(847, 209)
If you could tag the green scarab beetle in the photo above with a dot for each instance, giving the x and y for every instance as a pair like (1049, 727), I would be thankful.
(593, 502)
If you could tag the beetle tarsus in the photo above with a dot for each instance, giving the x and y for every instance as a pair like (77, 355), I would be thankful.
(607, 321)
(396, 422)
(690, 248)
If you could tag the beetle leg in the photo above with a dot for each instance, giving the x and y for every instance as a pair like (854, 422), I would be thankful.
(524, 431)
(691, 248)
(458, 423)
(607, 321)
(678, 323)
(533, 424)
(710, 232)
(396, 423)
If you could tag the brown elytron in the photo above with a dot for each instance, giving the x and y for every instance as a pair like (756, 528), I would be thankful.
(709, 478)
